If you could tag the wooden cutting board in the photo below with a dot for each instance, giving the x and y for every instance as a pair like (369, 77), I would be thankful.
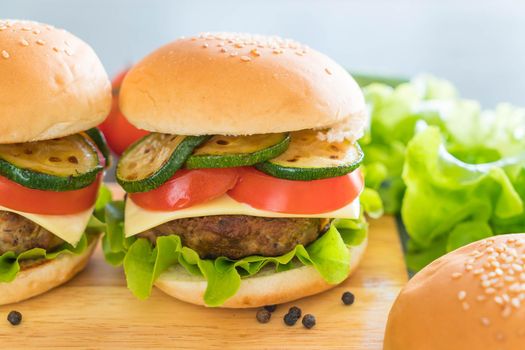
(95, 310)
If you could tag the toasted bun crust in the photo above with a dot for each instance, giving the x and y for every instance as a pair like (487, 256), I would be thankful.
(238, 84)
(447, 305)
(52, 83)
(48, 275)
(265, 288)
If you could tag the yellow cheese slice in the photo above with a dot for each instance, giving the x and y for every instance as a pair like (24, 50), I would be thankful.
(67, 227)
(138, 219)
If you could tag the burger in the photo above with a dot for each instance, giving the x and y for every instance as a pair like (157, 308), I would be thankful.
(245, 191)
(471, 298)
(53, 91)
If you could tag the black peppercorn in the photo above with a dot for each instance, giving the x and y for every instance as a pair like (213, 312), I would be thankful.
(348, 298)
(294, 310)
(271, 308)
(263, 316)
(308, 321)
(15, 318)
(292, 316)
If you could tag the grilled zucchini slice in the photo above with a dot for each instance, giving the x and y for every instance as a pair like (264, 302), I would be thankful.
(234, 151)
(63, 164)
(152, 160)
(99, 139)
(308, 158)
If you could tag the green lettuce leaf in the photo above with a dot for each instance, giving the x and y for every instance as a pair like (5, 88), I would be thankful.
(143, 263)
(10, 262)
(449, 203)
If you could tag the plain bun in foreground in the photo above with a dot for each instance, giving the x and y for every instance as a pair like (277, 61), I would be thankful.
(471, 298)
(239, 84)
(45, 276)
(264, 288)
(52, 83)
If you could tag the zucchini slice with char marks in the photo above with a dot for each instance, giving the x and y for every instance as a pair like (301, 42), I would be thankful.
(234, 151)
(153, 160)
(63, 164)
(100, 140)
(308, 158)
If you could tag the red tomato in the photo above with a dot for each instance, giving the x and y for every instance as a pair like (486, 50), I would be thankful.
(18, 197)
(118, 131)
(187, 188)
(266, 192)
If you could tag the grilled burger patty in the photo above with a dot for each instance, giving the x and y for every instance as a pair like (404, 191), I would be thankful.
(19, 234)
(237, 236)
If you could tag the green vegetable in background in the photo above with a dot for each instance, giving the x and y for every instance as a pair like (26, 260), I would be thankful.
(455, 172)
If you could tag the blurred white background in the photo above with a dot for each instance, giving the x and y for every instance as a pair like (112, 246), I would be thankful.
(479, 45)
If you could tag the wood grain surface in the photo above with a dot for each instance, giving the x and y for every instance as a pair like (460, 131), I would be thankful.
(96, 311)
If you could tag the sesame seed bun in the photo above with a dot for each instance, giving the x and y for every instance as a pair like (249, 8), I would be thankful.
(42, 277)
(471, 298)
(52, 83)
(265, 288)
(239, 84)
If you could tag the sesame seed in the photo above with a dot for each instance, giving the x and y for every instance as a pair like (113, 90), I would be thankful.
(233, 54)
(24, 42)
(255, 52)
(456, 275)
(465, 305)
(328, 71)
(56, 49)
(205, 45)
(27, 29)
(67, 43)
(239, 45)
(40, 42)
(5, 54)
(462, 295)
(467, 267)
(481, 298)
(223, 49)
(485, 321)
(36, 31)
(245, 58)
(68, 52)
(490, 291)
(498, 300)
(507, 311)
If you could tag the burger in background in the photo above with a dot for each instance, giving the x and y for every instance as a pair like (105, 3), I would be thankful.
(120, 133)
(246, 192)
(53, 92)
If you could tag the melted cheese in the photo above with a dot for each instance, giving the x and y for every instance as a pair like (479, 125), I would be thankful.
(67, 227)
(138, 219)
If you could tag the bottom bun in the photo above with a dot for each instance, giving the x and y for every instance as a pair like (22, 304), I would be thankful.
(40, 278)
(265, 288)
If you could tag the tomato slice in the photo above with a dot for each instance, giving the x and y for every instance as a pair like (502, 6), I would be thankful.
(266, 192)
(18, 197)
(187, 188)
(118, 131)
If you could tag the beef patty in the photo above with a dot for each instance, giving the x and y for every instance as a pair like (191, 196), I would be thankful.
(237, 236)
(19, 234)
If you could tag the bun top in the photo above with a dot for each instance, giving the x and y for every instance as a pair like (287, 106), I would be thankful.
(52, 83)
(239, 84)
(471, 298)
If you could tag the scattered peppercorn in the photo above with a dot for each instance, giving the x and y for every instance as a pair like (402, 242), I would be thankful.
(348, 298)
(292, 316)
(271, 308)
(294, 310)
(15, 318)
(263, 316)
(308, 321)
